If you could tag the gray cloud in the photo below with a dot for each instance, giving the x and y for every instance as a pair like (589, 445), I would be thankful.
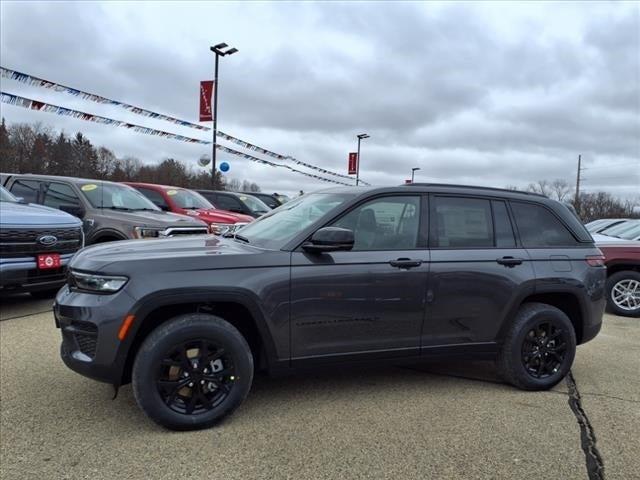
(480, 94)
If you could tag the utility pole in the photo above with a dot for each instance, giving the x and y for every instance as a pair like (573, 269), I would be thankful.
(577, 199)
(217, 49)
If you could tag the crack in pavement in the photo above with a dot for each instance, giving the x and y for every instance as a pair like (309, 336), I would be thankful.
(595, 464)
(22, 316)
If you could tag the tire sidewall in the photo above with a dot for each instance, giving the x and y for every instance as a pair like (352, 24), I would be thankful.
(611, 282)
(179, 330)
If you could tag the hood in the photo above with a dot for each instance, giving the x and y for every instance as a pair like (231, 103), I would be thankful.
(147, 218)
(179, 253)
(22, 214)
(213, 215)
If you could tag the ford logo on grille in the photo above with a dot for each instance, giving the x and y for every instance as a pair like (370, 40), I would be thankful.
(47, 240)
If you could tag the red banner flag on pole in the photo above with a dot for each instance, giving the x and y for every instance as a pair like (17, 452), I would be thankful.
(353, 163)
(206, 91)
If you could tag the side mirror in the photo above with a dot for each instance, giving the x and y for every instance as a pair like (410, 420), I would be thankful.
(75, 210)
(330, 239)
(164, 208)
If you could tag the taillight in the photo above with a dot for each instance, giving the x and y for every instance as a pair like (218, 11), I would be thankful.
(595, 260)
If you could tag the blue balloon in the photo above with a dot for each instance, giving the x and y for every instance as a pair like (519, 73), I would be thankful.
(224, 166)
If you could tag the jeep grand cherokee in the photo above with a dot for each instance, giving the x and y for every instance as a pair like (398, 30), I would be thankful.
(343, 275)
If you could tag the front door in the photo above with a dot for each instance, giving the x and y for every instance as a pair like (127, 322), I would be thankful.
(369, 301)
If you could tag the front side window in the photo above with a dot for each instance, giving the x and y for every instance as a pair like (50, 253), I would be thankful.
(387, 223)
(59, 194)
(227, 202)
(155, 197)
(538, 227)
(26, 189)
(462, 223)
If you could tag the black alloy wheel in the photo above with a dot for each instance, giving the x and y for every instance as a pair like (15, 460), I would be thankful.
(195, 376)
(543, 350)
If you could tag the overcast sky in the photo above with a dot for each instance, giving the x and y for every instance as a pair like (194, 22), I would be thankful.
(487, 94)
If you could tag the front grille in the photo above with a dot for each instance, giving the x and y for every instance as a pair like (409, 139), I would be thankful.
(17, 242)
(174, 231)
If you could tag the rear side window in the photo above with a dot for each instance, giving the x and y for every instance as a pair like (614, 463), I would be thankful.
(227, 202)
(59, 194)
(155, 197)
(538, 227)
(462, 223)
(502, 225)
(26, 189)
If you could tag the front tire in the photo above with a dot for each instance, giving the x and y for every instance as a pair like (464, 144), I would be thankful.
(623, 293)
(192, 371)
(539, 347)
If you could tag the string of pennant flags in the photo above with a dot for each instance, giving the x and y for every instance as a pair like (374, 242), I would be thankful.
(273, 164)
(269, 153)
(40, 82)
(18, 101)
(31, 104)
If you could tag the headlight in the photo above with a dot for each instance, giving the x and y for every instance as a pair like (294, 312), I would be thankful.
(94, 282)
(141, 232)
(220, 228)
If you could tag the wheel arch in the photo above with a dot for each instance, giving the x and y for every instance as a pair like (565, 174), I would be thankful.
(564, 299)
(105, 235)
(238, 308)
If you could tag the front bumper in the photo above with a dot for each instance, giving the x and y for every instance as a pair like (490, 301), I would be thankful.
(89, 324)
(22, 274)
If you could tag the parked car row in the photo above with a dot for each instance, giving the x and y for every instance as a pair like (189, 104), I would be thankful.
(619, 241)
(38, 215)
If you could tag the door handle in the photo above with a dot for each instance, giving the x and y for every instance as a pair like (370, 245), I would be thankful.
(509, 261)
(405, 263)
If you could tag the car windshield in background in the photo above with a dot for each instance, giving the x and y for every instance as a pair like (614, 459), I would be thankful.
(254, 204)
(621, 228)
(115, 196)
(276, 228)
(188, 200)
(631, 234)
(5, 196)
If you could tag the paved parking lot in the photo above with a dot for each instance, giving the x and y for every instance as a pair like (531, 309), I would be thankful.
(435, 421)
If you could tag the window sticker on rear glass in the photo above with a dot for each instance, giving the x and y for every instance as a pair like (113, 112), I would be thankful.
(88, 187)
(172, 192)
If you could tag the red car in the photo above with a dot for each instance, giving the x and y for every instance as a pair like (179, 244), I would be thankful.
(622, 258)
(188, 202)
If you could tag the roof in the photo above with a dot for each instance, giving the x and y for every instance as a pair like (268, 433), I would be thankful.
(55, 177)
(154, 185)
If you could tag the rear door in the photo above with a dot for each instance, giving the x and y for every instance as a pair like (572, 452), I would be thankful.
(478, 270)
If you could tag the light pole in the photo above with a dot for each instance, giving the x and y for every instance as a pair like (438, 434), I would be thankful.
(361, 137)
(217, 49)
(413, 171)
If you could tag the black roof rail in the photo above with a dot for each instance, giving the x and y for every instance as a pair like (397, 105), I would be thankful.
(475, 187)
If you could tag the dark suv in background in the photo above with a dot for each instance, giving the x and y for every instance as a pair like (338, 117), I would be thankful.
(109, 211)
(343, 275)
(236, 202)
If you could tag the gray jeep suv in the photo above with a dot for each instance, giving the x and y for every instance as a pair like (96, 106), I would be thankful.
(109, 211)
(344, 275)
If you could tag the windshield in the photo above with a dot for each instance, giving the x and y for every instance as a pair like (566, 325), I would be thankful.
(5, 196)
(188, 200)
(631, 234)
(116, 196)
(279, 226)
(621, 228)
(254, 204)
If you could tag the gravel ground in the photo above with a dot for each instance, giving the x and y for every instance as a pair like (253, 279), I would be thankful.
(453, 420)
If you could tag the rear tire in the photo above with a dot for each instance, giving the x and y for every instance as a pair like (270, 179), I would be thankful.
(623, 293)
(192, 371)
(539, 347)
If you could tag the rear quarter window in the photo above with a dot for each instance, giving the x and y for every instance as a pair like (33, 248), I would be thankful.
(538, 227)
